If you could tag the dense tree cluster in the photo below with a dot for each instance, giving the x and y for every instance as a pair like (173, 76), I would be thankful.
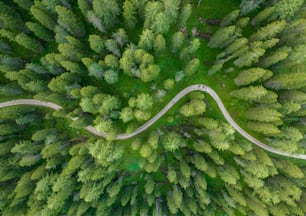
(271, 66)
(104, 61)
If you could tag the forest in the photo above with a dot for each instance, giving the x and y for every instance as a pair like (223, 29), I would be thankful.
(112, 65)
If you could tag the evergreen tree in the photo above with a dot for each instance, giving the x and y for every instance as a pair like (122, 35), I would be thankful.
(194, 107)
(186, 11)
(263, 16)
(84, 6)
(95, 21)
(287, 81)
(173, 141)
(285, 9)
(70, 22)
(25, 4)
(161, 23)
(96, 43)
(264, 128)
(144, 101)
(111, 76)
(247, 6)
(171, 8)
(150, 73)
(39, 31)
(43, 17)
(146, 40)
(159, 44)
(29, 43)
(263, 114)
(223, 37)
(273, 59)
(107, 11)
(269, 31)
(230, 18)
(177, 41)
(249, 57)
(252, 75)
(192, 67)
(250, 93)
(129, 13)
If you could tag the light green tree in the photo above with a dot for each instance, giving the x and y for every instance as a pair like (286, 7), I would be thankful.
(173, 141)
(250, 93)
(177, 41)
(194, 107)
(269, 31)
(43, 17)
(29, 43)
(70, 22)
(263, 114)
(130, 13)
(287, 81)
(96, 43)
(230, 18)
(146, 40)
(107, 11)
(161, 23)
(159, 44)
(185, 14)
(252, 75)
(144, 101)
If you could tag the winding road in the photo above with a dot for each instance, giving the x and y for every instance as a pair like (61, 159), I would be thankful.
(180, 95)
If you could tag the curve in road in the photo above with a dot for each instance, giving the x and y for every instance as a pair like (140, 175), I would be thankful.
(177, 97)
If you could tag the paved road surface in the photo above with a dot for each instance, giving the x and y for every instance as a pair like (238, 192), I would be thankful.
(181, 94)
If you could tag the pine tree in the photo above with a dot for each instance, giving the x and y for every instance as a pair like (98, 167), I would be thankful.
(84, 6)
(252, 75)
(121, 37)
(43, 17)
(287, 81)
(249, 57)
(150, 73)
(269, 31)
(159, 44)
(129, 13)
(186, 11)
(96, 43)
(230, 18)
(146, 40)
(95, 21)
(151, 10)
(39, 31)
(111, 61)
(173, 141)
(112, 46)
(25, 4)
(263, 114)
(111, 76)
(273, 59)
(285, 9)
(144, 101)
(194, 107)
(70, 22)
(250, 93)
(29, 43)
(223, 37)
(264, 128)
(107, 11)
(161, 23)
(171, 8)
(126, 114)
(192, 67)
(263, 16)
(247, 6)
